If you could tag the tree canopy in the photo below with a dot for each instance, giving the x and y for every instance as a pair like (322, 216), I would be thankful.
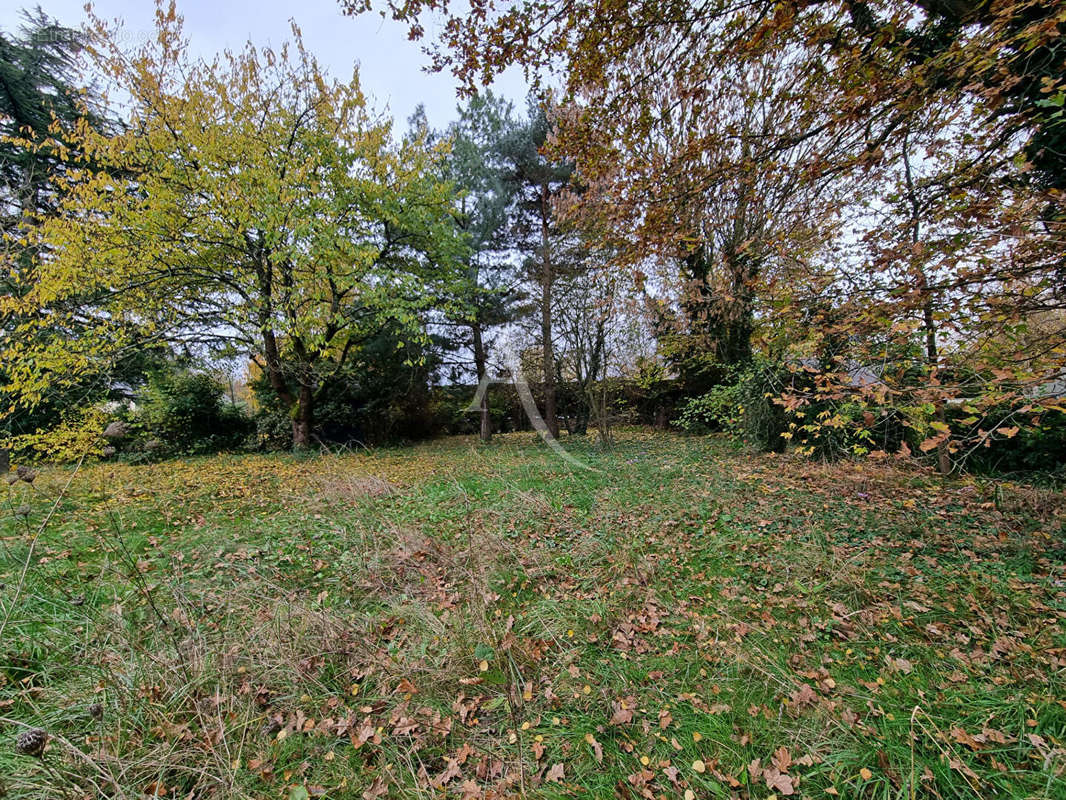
(250, 203)
(835, 185)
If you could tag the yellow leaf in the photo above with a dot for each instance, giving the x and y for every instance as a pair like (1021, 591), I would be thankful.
(699, 766)
(865, 774)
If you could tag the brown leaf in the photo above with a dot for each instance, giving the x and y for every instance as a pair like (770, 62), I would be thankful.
(623, 712)
(901, 665)
(554, 774)
(959, 766)
(778, 781)
(782, 759)
(375, 790)
(362, 736)
(804, 695)
(962, 737)
(597, 749)
(1037, 741)
(451, 772)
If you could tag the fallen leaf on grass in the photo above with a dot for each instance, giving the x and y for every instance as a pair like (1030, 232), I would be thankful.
(597, 749)
(778, 781)
(901, 665)
(375, 790)
(623, 711)
(804, 695)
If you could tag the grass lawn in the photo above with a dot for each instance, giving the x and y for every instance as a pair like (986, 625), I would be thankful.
(452, 620)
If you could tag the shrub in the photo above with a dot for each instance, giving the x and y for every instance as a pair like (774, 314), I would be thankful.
(770, 406)
(180, 412)
(714, 411)
(1039, 446)
(744, 405)
(381, 396)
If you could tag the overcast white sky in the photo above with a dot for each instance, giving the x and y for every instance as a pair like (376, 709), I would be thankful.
(390, 65)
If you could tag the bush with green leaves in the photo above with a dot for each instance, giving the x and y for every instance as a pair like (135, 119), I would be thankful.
(714, 411)
(381, 396)
(743, 405)
(771, 406)
(182, 412)
(1039, 446)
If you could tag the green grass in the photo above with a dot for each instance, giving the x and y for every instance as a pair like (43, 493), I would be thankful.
(459, 620)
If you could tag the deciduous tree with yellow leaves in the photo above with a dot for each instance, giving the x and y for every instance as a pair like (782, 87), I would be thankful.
(249, 204)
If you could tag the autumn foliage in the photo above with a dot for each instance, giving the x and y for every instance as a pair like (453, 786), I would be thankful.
(868, 189)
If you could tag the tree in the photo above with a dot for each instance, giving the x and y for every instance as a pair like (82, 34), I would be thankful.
(44, 95)
(589, 321)
(41, 97)
(700, 203)
(884, 54)
(852, 81)
(480, 172)
(265, 211)
(537, 181)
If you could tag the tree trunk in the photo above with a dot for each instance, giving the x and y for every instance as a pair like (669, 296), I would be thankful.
(719, 327)
(943, 457)
(301, 406)
(581, 422)
(661, 419)
(303, 419)
(480, 365)
(603, 417)
(546, 278)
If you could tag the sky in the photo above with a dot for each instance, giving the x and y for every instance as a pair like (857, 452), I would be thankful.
(391, 67)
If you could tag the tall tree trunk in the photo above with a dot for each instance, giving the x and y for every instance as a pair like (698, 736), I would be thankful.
(480, 365)
(943, 457)
(719, 320)
(932, 357)
(580, 424)
(546, 279)
(303, 419)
